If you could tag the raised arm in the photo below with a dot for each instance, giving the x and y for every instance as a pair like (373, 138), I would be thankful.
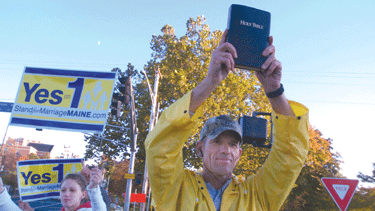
(222, 62)
(270, 78)
(97, 202)
(274, 181)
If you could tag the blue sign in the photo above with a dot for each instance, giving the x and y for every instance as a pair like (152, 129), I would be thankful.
(6, 107)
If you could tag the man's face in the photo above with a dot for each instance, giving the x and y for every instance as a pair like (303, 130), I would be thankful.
(220, 155)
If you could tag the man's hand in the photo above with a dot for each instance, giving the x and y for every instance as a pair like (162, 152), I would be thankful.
(270, 77)
(25, 206)
(222, 60)
(85, 172)
(96, 177)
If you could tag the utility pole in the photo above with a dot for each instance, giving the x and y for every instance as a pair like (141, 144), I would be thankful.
(153, 115)
(133, 145)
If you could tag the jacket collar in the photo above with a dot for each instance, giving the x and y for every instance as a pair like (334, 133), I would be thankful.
(229, 195)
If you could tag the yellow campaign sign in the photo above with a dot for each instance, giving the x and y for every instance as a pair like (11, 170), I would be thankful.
(129, 176)
(41, 179)
(63, 99)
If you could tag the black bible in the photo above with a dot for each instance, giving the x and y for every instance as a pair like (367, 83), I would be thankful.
(249, 29)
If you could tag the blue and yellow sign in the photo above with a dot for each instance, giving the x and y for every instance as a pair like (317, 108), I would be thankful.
(63, 99)
(41, 179)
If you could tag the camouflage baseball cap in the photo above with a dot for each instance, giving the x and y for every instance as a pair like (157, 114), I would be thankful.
(216, 125)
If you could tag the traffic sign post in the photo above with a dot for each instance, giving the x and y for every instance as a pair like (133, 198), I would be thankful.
(341, 190)
(133, 143)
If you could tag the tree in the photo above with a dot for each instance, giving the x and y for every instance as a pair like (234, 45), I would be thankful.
(183, 63)
(363, 199)
(114, 140)
(9, 166)
(33, 156)
(117, 182)
(309, 193)
(367, 178)
(10, 157)
(46, 156)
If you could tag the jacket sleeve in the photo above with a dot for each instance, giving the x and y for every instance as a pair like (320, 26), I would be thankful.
(164, 152)
(274, 181)
(96, 199)
(6, 202)
(105, 197)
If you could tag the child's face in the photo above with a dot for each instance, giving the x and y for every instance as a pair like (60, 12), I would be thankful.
(71, 194)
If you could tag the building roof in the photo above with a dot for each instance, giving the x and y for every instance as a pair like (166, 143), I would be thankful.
(41, 147)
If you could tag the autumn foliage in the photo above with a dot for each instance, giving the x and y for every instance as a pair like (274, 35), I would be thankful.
(183, 63)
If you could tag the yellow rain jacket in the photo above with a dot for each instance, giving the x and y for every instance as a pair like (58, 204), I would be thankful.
(175, 188)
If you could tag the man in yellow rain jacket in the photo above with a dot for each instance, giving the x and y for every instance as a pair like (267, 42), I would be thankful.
(215, 188)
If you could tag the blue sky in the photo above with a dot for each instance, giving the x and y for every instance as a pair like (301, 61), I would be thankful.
(326, 47)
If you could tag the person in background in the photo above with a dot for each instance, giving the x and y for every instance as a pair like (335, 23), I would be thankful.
(86, 173)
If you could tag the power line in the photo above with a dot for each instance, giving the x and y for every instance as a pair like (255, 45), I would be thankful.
(287, 71)
(335, 84)
(55, 62)
(309, 74)
(336, 102)
(309, 101)
(43, 63)
(331, 76)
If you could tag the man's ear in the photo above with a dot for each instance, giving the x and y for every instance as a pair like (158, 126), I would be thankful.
(199, 149)
(239, 155)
